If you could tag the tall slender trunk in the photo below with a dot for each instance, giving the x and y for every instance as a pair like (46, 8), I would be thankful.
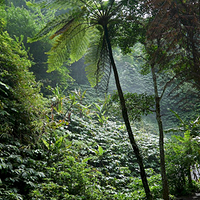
(161, 137)
(126, 119)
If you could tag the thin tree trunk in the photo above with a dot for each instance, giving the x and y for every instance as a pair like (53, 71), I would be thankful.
(189, 177)
(161, 137)
(126, 120)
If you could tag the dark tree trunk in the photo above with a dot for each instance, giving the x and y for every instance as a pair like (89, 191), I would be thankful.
(126, 120)
(189, 177)
(161, 137)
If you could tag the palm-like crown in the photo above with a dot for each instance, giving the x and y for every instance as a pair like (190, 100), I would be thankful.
(80, 32)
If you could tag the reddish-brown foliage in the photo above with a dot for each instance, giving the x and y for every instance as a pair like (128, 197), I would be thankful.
(175, 30)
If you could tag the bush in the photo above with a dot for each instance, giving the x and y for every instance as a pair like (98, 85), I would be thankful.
(21, 104)
(182, 156)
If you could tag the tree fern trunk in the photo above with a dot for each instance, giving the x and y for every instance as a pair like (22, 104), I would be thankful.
(126, 119)
(161, 137)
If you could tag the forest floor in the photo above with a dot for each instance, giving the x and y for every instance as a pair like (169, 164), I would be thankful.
(195, 196)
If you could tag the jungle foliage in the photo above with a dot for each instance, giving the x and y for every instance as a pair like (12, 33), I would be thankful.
(23, 21)
(72, 144)
(21, 102)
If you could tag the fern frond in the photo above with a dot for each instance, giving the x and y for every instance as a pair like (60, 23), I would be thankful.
(59, 4)
(70, 46)
(74, 33)
(52, 26)
(79, 42)
(91, 59)
(63, 29)
(98, 67)
(59, 23)
(57, 58)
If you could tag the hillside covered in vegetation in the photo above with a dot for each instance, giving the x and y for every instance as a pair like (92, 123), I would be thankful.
(99, 100)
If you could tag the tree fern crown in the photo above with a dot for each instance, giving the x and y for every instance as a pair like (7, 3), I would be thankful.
(80, 31)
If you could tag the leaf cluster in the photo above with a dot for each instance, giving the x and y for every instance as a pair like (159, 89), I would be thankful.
(20, 168)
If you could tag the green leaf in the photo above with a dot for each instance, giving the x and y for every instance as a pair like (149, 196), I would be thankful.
(177, 116)
(100, 149)
(187, 135)
(59, 142)
(45, 143)
(179, 138)
(29, 3)
(6, 86)
(86, 159)
(98, 107)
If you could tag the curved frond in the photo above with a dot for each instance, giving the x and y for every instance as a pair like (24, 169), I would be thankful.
(98, 67)
(69, 46)
(60, 4)
(79, 42)
(57, 24)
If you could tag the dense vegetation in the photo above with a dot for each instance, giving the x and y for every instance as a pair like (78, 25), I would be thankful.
(62, 139)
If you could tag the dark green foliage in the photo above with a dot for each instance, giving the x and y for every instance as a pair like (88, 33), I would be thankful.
(20, 100)
(26, 21)
(183, 157)
(81, 160)
(53, 168)
(68, 175)
(104, 148)
(56, 171)
(155, 186)
(117, 158)
(19, 168)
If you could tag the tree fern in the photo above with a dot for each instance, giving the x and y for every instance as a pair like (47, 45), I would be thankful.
(96, 18)
(74, 34)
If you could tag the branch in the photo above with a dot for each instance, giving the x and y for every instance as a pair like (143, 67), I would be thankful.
(166, 85)
(141, 57)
